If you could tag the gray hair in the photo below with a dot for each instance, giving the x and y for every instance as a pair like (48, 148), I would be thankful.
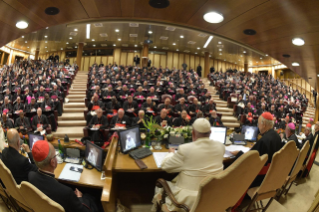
(45, 162)
(268, 123)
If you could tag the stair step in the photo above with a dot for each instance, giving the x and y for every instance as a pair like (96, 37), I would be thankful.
(224, 109)
(231, 124)
(229, 119)
(71, 116)
(78, 89)
(76, 92)
(76, 100)
(76, 132)
(225, 113)
(72, 123)
(74, 110)
(76, 96)
(74, 105)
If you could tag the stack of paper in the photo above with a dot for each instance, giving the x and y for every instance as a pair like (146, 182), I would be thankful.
(232, 148)
(69, 175)
(159, 157)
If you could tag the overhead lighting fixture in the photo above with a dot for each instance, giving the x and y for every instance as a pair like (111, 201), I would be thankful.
(75, 29)
(198, 48)
(182, 36)
(195, 52)
(93, 40)
(67, 42)
(46, 47)
(266, 55)
(88, 31)
(28, 47)
(114, 44)
(150, 32)
(220, 50)
(225, 60)
(75, 47)
(295, 64)
(61, 48)
(261, 58)
(26, 41)
(235, 63)
(22, 36)
(208, 41)
(22, 24)
(241, 55)
(119, 39)
(177, 49)
(174, 44)
(94, 45)
(219, 42)
(117, 30)
(155, 47)
(47, 51)
(244, 52)
(45, 41)
(47, 28)
(318, 75)
(135, 45)
(45, 36)
(238, 60)
(213, 17)
(298, 41)
(70, 38)
(220, 54)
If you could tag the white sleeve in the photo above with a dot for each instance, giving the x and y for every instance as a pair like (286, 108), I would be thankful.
(173, 162)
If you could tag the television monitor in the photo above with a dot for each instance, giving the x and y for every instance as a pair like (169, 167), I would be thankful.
(34, 138)
(94, 155)
(250, 132)
(130, 139)
(218, 134)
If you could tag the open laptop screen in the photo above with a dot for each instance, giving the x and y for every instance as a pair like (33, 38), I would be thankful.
(218, 134)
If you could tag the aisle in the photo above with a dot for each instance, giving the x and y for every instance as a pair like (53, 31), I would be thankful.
(72, 120)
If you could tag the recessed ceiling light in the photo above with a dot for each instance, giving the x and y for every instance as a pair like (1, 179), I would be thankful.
(295, 64)
(266, 55)
(22, 24)
(47, 28)
(224, 60)
(235, 63)
(70, 38)
(318, 75)
(182, 36)
(256, 61)
(114, 44)
(75, 47)
(45, 36)
(135, 45)
(238, 60)
(220, 50)
(22, 36)
(198, 48)
(213, 17)
(26, 41)
(155, 47)
(75, 29)
(177, 49)
(67, 42)
(46, 47)
(47, 51)
(88, 31)
(93, 40)
(195, 52)
(94, 45)
(117, 30)
(261, 58)
(174, 44)
(220, 54)
(244, 52)
(45, 41)
(28, 47)
(219, 42)
(61, 48)
(119, 39)
(298, 41)
(150, 32)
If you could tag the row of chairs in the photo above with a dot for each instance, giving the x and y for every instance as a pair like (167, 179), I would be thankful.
(24, 197)
(222, 191)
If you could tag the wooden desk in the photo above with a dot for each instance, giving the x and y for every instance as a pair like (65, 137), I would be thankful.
(124, 163)
(89, 177)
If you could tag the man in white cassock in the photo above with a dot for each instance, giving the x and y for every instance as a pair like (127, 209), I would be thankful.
(193, 161)
(92, 157)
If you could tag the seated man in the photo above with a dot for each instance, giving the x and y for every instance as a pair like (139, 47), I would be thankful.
(18, 164)
(269, 143)
(33, 106)
(214, 120)
(6, 122)
(308, 137)
(262, 109)
(44, 179)
(47, 104)
(183, 120)
(130, 107)
(163, 120)
(181, 94)
(94, 104)
(139, 94)
(167, 106)
(18, 105)
(140, 119)
(194, 161)
(39, 122)
(198, 115)
(98, 122)
(6, 107)
(195, 107)
(22, 122)
(120, 120)
(210, 106)
(180, 106)
(290, 134)
(149, 106)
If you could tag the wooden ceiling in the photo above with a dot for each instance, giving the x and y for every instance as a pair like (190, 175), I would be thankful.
(276, 22)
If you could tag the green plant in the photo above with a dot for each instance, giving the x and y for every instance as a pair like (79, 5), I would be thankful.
(151, 127)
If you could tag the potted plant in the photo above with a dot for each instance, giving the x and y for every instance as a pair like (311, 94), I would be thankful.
(152, 130)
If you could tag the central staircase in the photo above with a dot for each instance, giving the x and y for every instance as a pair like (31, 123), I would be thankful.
(72, 120)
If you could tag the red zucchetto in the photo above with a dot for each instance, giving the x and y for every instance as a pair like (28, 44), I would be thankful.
(40, 150)
(267, 115)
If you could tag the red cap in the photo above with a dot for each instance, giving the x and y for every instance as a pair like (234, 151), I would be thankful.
(308, 125)
(95, 107)
(267, 115)
(40, 150)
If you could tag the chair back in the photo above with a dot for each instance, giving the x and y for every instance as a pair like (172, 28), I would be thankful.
(11, 186)
(300, 160)
(312, 148)
(37, 200)
(281, 165)
(223, 190)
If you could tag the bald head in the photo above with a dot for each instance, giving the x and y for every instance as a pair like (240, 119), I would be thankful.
(13, 138)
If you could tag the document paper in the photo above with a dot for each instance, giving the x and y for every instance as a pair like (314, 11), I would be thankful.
(232, 148)
(159, 157)
(69, 175)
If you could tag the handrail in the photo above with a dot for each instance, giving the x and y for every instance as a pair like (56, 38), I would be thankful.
(108, 197)
(306, 91)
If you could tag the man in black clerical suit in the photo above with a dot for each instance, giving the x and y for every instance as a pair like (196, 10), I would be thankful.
(183, 120)
(130, 106)
(44, 179)
(214, 120)
(269, 143)
(6, 122)
(100, 123)
(120, 120)
(19, 165)
(39, 122)
(33, 106)
(136, 60)
(163, 120)
(149, 106)
(22, 122)
(140, 119)
(6, 107)
(308, 137)
(290, 134)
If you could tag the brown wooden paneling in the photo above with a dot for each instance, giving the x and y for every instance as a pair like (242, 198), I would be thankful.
(163, 61)
(123, 59)
(175, 61)
(156, 60)
(169, 59)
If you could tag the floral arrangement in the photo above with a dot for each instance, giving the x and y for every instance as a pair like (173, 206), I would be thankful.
(186, 132)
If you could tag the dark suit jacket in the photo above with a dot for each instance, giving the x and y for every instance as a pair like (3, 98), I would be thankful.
(18, 164)
(311, 139)
(58, 192)
(25, 123)
(179, 121)
(103, 121)
(44, 121)
(125, 120)
(128, 105)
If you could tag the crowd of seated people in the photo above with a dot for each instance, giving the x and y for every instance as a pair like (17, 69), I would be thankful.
(33, 91)
(173, 97)
(257, 93)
